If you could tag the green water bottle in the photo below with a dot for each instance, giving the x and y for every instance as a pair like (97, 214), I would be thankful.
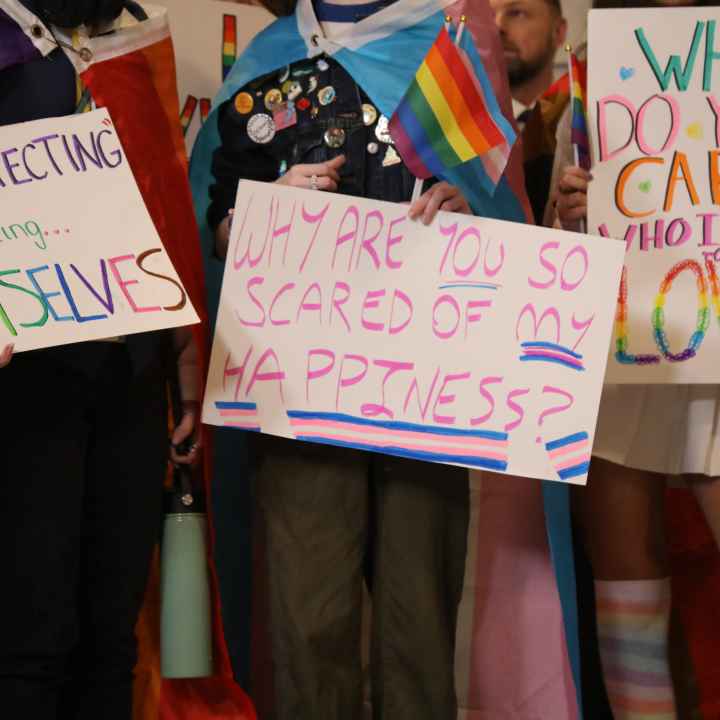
(185, 622)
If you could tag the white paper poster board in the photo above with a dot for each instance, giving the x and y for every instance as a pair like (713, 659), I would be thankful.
(208, 36)
(653, 90)
(81, 259)
(473, 342)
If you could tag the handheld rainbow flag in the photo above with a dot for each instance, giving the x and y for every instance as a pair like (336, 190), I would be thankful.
(579, 138)
(449, 115)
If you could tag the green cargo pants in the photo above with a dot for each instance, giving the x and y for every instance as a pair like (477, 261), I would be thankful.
(315, 504)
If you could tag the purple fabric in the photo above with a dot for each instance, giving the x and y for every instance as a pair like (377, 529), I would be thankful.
(15, 46)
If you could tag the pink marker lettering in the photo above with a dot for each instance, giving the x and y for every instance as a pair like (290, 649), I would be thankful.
(673, 131)
(251, 283)
(602, 106)
(453, 303)
(236, 371)
(371, 302)
(392, 367)
(391, 263)
(275, 375)
(285, 288)
(415, 387)
(279, 232)
(490, 399)
(517, 409)
(337, 303)
(317, 220)
(345, 235)
(124, 284)
(368, 242)
(394, 327)
(314, 374)
(347, 381)
(474, 317)
(548, 265)
(570, 285)
(307, 306)
(447, 399)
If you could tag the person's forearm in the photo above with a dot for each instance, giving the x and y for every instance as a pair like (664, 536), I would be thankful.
(188, 373)
(222, 238)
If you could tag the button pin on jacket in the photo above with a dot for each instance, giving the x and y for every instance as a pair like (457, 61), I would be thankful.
(382, 130)
(244, 103)
(373, 148)
(370, 114)
(312, 84)
(273, 98)
(261, 128)
(322, 65)
(335, 137)
(326, 95)
(391, 157)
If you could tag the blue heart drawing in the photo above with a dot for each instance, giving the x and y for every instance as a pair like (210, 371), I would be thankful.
(626, 73)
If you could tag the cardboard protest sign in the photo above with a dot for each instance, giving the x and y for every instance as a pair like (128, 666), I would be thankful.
(654, 113)
(80, 256)
(472, 341)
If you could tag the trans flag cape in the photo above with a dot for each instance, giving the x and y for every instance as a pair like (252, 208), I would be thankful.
(399, 37)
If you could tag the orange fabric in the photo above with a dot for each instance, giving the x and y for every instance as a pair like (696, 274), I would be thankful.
(139, 91)
(695, 564)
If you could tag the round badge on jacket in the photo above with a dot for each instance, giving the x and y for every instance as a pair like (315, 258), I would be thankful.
(261, 128)
(244, 103)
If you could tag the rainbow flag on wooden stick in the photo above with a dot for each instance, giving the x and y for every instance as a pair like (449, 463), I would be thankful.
(580, 138)
(449, 115)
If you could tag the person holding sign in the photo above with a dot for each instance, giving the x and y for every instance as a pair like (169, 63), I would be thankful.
(312, 123)
(673, 430)
(85, 435)
(6, 355)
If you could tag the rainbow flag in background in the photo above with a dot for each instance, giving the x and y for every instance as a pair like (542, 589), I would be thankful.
(229, 52)
(580, 137)
(449, 115)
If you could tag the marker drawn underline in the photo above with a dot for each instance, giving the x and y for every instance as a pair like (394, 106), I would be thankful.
(473, 285)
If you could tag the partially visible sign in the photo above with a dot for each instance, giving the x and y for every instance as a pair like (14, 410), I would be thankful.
(80, 258)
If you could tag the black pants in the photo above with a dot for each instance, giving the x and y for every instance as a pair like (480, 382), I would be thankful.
(84, 454)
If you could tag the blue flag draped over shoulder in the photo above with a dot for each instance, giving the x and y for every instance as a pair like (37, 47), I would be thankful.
(382, 53)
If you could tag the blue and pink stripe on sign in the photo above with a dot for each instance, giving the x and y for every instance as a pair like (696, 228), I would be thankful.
(552, 353)
(239, 415)
(570, 455)
(474, 448)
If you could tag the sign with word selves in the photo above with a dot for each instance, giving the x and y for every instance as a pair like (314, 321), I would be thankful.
(80, 258)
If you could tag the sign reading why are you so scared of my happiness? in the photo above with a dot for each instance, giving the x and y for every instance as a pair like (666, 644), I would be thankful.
(472, 341)
(654, 115)
(80, 258)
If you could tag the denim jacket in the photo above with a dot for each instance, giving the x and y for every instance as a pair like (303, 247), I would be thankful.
(332, 116)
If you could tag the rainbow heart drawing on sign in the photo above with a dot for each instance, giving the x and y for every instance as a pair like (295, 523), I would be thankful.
(570, 455)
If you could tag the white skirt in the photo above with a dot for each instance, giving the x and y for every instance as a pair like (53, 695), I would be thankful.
(671, 429)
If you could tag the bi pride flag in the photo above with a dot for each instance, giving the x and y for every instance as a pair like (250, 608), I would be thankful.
(449, 114)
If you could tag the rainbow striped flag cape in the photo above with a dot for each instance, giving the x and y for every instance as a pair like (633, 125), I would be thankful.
(580, 137)
(449, 115)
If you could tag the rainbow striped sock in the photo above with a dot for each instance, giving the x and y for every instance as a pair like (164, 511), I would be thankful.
(633, 618)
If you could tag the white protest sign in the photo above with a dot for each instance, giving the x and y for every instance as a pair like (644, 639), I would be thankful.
(80, 256)
(472, 341)
(208, 36)
(653, 81)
